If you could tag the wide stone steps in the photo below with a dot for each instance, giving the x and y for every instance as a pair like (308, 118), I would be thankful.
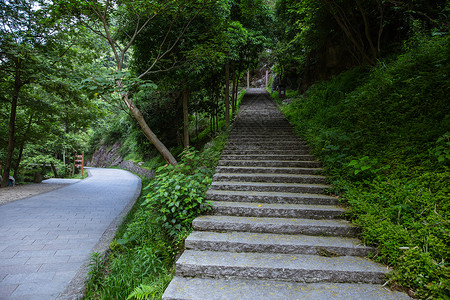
(277, 139)
(183, 288)
(276, 243)
(293, 267)
(269, 187)
(272, 231)
(268, 143)
(273, 178)
(333, 227)
(293, 157)
(270, 163)
(265, 170)
(264, 152)
(251, 209)
(271, 197)
(272, 148)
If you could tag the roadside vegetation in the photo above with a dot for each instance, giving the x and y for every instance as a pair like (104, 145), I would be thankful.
(383, 135)
(140, 263)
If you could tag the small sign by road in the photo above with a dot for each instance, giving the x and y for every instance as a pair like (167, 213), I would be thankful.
(79, 162)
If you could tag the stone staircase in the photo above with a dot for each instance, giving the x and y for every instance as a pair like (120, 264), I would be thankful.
(273, 233)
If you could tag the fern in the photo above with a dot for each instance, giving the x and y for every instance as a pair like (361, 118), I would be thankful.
(142, 292)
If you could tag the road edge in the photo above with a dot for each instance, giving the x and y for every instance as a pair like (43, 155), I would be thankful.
(75, 288)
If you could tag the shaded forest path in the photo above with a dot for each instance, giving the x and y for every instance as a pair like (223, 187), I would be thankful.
(273, 233)
(46, 240)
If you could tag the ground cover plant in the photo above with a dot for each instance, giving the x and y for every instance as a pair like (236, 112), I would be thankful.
(140, 263)
(383, 134)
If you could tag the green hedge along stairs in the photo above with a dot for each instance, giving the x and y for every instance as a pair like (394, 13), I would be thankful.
(273, 233)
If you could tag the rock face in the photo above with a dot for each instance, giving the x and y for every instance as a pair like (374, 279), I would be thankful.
(106, 156)
(273, 233)
(109, 156)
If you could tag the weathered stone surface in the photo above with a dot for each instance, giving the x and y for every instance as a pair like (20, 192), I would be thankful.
(269, 187)
(276, 243)
(275, 225)
(269, 157)
(270, 163)
(182, 288)
(273, 178)
(251, 209)
(271, 197)
(293, 267)
(270, 170)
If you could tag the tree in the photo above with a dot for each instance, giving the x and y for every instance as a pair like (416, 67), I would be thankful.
(111, 20)
(322, 38)
(38, 67)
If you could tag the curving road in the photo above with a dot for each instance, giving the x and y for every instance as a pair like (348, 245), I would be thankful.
(46, 240)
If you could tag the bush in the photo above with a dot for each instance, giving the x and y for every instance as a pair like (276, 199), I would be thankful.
(177, 192)
(382, 135)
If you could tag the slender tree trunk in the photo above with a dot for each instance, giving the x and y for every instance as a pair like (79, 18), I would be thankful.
(22, 145)
(11, 132)
(248, 78)
(162, 149)
(185, 118)
(366, 30)
(55, 172)
(227, 93)
(233, 98)
(196, 126)
(344, 24)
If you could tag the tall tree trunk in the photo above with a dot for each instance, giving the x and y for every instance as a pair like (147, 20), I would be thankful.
(248, 78)
(233, 98)
(366, 30)
(227, 93)
(12, 129)
(55, 172)
(185, 118)
(162, 149)
(22, 145)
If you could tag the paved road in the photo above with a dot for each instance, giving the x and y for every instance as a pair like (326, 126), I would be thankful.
(45, 239)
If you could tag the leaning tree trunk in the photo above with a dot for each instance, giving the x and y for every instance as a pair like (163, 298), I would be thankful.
(162, 149)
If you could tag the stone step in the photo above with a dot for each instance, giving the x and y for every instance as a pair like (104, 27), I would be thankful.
(283, 210)
(266, 143)
(275, 225)
(274, 178)
(271, 197)
(271, 152)
(270, 163)
(286, 157)
(293, 267)
(268, 170)
(240, 135)
(276, 243)
(250, 139)
(269, 187)
(266, 148)
(182, 288)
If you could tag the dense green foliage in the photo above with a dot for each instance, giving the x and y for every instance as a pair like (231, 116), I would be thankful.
(142, 256)
(383, 135)
(319, 39)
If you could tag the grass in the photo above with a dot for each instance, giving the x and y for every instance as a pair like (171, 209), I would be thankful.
(382, 134)
(142, 255)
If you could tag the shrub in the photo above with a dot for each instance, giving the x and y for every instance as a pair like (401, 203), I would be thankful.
(382, 135)
(177, 192)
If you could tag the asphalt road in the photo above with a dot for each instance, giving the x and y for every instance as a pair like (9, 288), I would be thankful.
(46, 240)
